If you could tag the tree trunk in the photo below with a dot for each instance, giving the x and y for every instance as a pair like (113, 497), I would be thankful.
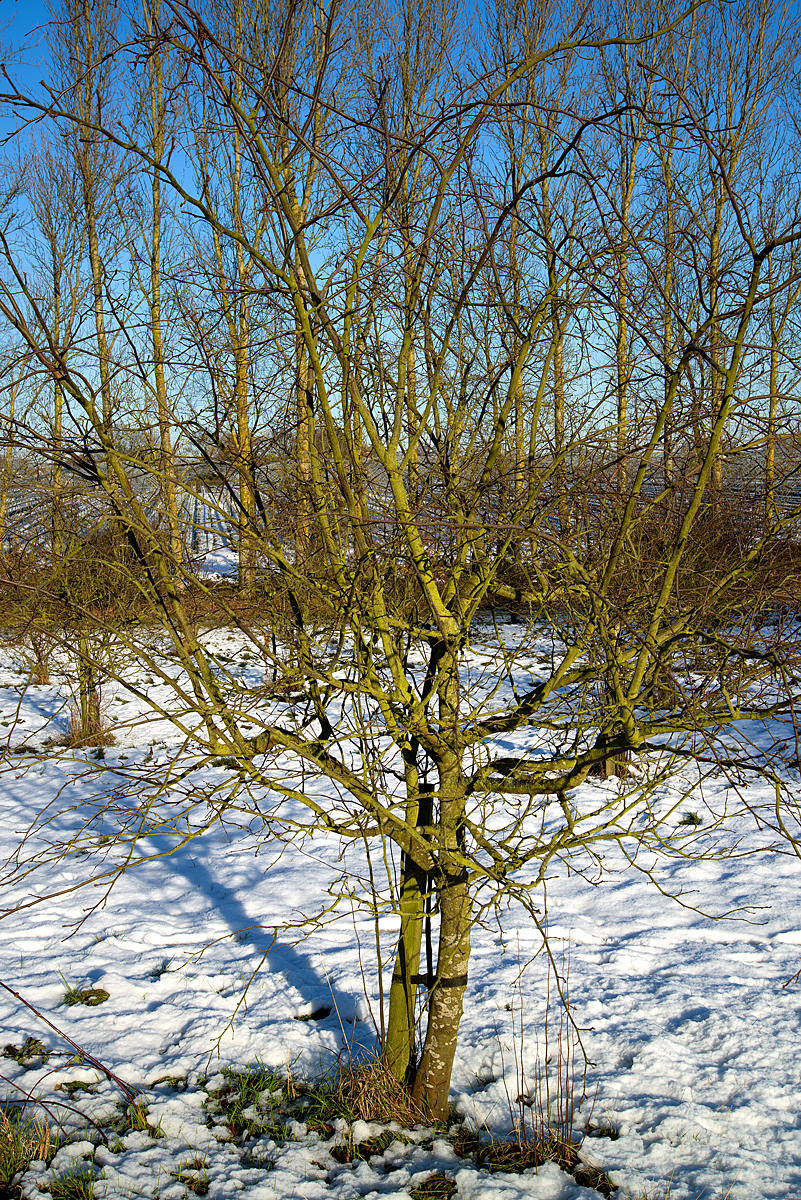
(399, 1048)
(560, 474)
(770, 449)
(91, 101)
(433, 1078)
(168, 475)
(715, 349)
(57, 538)
(5, 480)
(88, 694)
(668, 464)
(303, 434)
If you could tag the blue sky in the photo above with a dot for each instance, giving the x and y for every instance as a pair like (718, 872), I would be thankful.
(23, 51)
(20, 22)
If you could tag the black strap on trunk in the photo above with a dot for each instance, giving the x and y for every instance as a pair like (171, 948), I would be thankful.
(431, 980)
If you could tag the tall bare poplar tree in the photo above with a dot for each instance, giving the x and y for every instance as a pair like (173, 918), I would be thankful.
(157, 121)
(83, 39)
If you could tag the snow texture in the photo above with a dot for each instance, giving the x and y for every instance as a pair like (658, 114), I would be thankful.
(688, 1021)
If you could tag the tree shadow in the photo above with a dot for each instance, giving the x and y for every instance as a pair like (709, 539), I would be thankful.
(322, 1000)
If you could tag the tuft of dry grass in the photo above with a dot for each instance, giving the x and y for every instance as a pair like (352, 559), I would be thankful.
(522, 1153)
(137, 1118)
(20, 1143)
(93, 730)
(193, 1176)
(249, 1100)
(352, 1151)
(436, 1185)
(75, 1187)
(368, 1091)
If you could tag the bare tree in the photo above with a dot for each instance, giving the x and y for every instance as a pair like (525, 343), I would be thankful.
(412, 341)
(54, 197)
(83, 36)
(157, 118)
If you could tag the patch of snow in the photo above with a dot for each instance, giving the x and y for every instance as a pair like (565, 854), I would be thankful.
(689, 1022)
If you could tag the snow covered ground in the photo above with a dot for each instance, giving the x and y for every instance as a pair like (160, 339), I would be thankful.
(689, 1023)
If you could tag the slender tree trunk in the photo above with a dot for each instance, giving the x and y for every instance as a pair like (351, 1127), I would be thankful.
(88, 693)
(716, 380)
(770, 448)
(776, 329)
(622, 368)
(57, 523)
(244, 447)
(433, 1078)
(631, 132)
(91, 103)
(100, 321)
(244, 451)
(628, 168)
(168, 475)
(446, 997)
(412, 419)
(57, 532)
(777, 323)
(8, 457)
(304, 425)
(401, 1029)
(560, 475)
(667, 336)
(557, 341)
(520, 442)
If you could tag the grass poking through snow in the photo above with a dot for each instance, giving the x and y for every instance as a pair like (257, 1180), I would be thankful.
(20, 1143)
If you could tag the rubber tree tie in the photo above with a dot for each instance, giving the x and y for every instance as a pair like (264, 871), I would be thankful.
(432, 981)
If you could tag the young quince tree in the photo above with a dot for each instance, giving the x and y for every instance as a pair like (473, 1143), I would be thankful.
(411, 303)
